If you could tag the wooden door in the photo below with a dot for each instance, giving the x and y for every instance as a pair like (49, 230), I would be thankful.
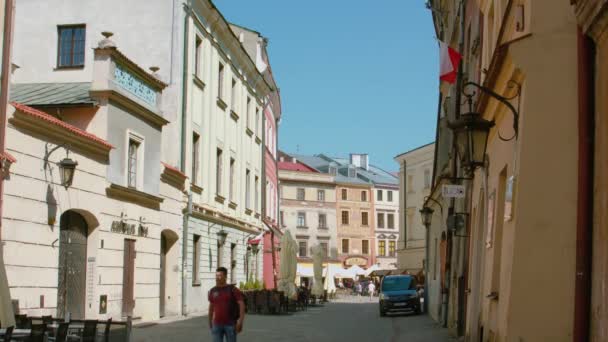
(163, 265)
(128, 300)
(71, 291)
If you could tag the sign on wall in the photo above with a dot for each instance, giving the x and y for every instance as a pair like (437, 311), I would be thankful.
(453, 191)
(355, 261)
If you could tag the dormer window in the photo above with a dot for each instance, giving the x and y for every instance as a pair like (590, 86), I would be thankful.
(352, 172)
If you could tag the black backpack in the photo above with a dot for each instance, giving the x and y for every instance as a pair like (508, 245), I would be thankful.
(235, 312)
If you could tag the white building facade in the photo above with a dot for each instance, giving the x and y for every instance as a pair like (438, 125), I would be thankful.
(192, 127)
(386, 214)
(415, 177)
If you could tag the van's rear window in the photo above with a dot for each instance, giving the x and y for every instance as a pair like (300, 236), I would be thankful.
(397, 284)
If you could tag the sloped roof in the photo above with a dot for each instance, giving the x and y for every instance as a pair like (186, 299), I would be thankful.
(321, 164)
(374, 174)
(289, 166)
(47, 94)
(53, 120)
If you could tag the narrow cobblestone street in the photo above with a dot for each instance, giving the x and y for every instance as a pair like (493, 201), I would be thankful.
(348, 319)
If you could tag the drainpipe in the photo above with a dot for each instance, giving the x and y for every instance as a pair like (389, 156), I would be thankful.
(278, 211)
(584, 224)
(4, 84)
(184, 139)
(187, 214)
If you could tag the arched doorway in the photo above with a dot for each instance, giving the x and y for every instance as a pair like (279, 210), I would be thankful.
(168, 239)
(71, 292)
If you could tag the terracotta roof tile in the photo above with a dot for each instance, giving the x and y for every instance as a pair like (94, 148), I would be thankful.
(173, 169)
(53, 120)
(289, 166)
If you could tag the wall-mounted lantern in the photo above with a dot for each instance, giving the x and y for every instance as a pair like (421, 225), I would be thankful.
(67, 168)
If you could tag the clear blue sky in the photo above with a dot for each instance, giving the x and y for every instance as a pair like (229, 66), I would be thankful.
(355, 76)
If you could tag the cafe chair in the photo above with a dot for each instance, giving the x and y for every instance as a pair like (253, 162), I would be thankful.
(61, 334)
(37, 333)
(106, 333)
(89, 333)
(8, 334)
(23, 322)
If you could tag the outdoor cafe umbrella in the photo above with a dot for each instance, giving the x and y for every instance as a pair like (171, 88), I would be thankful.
(330, 284)
(317, 260)
(7, 316)
(287, 274)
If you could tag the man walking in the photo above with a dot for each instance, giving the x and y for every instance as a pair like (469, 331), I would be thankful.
(226, 308)
(371, 288)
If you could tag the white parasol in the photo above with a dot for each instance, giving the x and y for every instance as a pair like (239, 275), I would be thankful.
(287, 275)
(317, 260)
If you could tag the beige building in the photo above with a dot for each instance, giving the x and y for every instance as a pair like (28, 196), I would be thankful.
(509, 247)
(308, 209)
(386, 212)
(415, 173)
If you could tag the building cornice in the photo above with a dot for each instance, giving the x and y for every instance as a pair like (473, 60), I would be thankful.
(171, 175)
(144, 113)
(33, 120)
(134, 196)
(123, 60)
(212, 215)
(229, 46)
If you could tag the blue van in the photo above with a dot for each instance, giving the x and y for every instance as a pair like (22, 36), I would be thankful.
(398, 294)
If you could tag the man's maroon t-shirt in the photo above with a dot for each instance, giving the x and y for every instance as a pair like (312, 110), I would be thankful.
(220, 297)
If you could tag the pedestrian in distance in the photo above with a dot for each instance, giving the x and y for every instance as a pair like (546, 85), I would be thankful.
(371, 288)
(226, 308)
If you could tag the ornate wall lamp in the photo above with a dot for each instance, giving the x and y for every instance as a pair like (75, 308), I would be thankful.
(221, 237)
(471, 130)
(426, 213)
(67, 168)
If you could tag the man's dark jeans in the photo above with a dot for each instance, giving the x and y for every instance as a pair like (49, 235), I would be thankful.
(219, 331)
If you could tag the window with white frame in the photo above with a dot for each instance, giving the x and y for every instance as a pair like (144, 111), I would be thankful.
(321, 195)
(135, 161)
(389, 196)
(257, 194)
(247, 189)
(220, 81)
(380, 220)
(233, 99)
(302, 249)
(248, 112)
(390, 221)
(427, 178)
(301, 219)
(257, 121)
(218, 171)
(323, 221)
(232, 179)
(195, 157)
(379, 195)
(198, 46)
(301, 194)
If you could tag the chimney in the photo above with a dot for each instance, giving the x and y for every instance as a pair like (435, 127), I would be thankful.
(360, 160)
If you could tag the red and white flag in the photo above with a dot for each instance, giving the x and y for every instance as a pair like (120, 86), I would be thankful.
(449, 62)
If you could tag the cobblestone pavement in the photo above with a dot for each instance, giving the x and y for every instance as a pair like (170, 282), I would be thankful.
(344, 319)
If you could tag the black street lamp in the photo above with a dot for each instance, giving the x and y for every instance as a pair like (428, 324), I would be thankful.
(427, 215)
(67, 168)
(471, 134)
(221, 237)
